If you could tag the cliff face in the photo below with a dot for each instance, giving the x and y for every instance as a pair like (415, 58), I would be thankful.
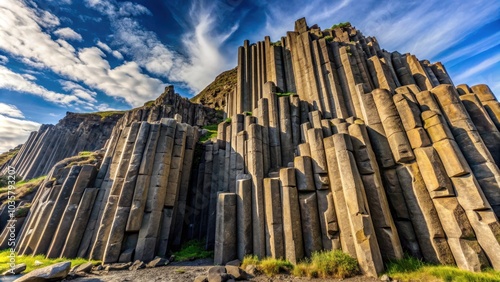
(333, 143)
(51, 143)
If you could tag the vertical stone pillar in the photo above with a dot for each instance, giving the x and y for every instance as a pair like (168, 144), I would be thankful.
(383, 223)
(75, 234)
(292, 223)
(420, 75)
(286, 138)
(85, 177)
(490, 103)
(255, 169)
(315, 138)
(365, 243)
(341, 233)
(274, 125)
(275, 247)
(225, 230)
(244, 215)
(476, 153)
(295, 120)
(263, 120)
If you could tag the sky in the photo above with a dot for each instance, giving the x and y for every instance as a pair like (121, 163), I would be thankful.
(96, 55)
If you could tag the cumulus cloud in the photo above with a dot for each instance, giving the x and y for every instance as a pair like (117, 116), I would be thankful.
(10, 110)
(68, 33)
(201, 59)
(18, 82)
(14, 129)
(21, 23)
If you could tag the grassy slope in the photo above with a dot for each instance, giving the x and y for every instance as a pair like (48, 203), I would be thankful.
(5, 157)
(223, 84)
(30, 261)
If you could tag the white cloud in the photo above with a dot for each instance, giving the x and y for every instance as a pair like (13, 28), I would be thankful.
(117, 55)
(485, 64)
(14, 131)
(21, 24)
(104, 46)
(201, 60)
(3, 59)
(68, 33)
(10, 110)
(79, 91)
(17, 82)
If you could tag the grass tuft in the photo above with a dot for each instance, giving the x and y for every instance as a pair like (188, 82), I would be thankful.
(192, 250)
(272, 266)
(30, 261)
(249, 260)
(212, 132)
(341, 25)
(329, 38)
(413, 269)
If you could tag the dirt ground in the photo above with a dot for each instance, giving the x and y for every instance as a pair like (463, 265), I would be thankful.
(187, 271)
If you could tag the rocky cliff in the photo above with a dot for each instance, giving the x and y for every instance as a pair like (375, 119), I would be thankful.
(332, 143)
(51, 143)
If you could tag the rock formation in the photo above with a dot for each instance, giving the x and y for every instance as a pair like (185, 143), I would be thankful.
(332, 143)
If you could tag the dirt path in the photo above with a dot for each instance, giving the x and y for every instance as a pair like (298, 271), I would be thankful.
(187, 271)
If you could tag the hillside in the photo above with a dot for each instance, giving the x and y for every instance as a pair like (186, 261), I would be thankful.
(214, 95)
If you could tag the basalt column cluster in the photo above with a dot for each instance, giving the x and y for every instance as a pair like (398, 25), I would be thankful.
(335, 143)
(130, 207)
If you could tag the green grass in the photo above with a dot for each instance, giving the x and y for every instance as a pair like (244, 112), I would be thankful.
(149, 103)
(5, 157)
(247, 113)
(341, 25)
(329, 38)
(106, 114)
(192, 250)
(228, 120)
(412, 269)
(23, 188)
(85, 153)
(322, 264)
(212, 132)
(328, 264)
(30, 261)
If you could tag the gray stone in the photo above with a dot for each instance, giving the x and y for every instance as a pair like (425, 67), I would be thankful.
(56, 271)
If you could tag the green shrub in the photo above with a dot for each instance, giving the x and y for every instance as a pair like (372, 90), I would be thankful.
(341, 25)
(329, 38)
(192, 250)
(249, 260)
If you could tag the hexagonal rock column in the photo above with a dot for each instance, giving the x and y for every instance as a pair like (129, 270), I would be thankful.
(476, 153)
(365, 240)
(383, 223)
(460, 235)
(274, 218)
(225, 230)
(340, 232)
(490, 103)
(244, 215)
(292, 227)
(469, 193)
(255, 169)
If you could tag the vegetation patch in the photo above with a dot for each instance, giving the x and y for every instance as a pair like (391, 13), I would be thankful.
(228, 120)
(248, 113)
(413, 269)
(277, 43)
(328, 264)
(212, 132)
(329, 38)
(30, 261)
(341, 25)
(149, 104)
(324, 264)
(192, 250)
(7, 156)
(23, 188)
(214, 94)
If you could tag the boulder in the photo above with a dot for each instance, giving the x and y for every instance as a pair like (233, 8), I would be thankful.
(201, 278)
(18, 268)
(157, 262)
(137, 265)
(235, 262)
(117, 266)
(219, 277)
(236, 272)
(56, 271)
(86, 268)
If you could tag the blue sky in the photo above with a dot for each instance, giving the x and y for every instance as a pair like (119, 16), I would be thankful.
(95, 55)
